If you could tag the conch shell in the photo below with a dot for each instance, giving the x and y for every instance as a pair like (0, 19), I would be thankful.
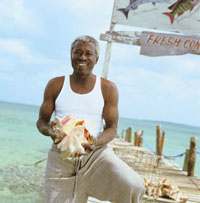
(75, 134)
(164, 189)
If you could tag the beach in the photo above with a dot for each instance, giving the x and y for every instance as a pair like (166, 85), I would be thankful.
(22, 146)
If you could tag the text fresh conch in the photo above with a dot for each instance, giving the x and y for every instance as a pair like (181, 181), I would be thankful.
(72, 134)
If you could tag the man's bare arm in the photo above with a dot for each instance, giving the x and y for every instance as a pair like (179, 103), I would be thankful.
(110, 113)
(46, 110)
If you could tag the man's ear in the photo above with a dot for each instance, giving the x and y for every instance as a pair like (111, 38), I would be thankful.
(97, 58)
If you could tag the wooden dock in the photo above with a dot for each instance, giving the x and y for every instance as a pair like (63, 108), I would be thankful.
(156, 168)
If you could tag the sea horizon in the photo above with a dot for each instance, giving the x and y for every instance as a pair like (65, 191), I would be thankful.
(122, 117)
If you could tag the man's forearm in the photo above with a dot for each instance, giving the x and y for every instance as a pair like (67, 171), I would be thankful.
(106, 136)
(43, 127)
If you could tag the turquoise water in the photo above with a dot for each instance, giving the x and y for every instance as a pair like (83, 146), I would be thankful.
(22, 146)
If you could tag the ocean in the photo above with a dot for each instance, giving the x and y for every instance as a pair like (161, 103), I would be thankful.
(21, 181)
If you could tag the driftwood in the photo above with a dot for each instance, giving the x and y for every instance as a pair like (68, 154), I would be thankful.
(38, 162)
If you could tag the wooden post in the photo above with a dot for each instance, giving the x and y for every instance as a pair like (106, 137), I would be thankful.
(128, 135)
(162, 143)
(122, 136)
(158, 134)
(140, 140)
(136, 138)
(192, 156)
(185, 166)
(107, 55)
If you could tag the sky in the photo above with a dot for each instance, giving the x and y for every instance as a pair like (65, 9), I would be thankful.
(35, 40)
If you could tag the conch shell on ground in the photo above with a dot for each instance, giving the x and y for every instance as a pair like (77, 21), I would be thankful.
(164, 189)
(75, 133)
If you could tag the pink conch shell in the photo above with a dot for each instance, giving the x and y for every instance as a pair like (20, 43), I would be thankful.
(58, 129)
(71, 144)
(75, 134)
(164, 189)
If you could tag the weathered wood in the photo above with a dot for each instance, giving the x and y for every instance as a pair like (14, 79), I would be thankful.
(40, 161)
(107, 55)
(192, 156)
(140, 140)
(107, 60)
(124, 37)
(136, 138)
(128, 135)
(185, 166)
(141, 160)
(158, 135)
(122, 135)
(162, 142)
(157, 44)
(148, 16)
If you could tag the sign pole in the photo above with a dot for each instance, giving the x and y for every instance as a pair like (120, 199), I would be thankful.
(107, 55)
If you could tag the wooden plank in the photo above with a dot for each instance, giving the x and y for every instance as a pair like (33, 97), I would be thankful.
(131, 38)
(162, 44)
(190, 186)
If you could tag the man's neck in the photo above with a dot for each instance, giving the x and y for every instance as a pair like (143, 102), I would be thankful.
(82, 79)
(82, 85)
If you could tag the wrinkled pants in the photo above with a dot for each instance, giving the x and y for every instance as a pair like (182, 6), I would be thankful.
(100, 174)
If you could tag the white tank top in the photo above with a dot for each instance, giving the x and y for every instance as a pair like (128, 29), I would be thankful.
(87, 107)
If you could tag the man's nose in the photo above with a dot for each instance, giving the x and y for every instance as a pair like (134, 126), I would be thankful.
(82, 57)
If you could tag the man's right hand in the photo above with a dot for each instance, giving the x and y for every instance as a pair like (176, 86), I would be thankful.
(55, 133)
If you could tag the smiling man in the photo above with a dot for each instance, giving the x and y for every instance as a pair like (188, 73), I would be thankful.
(99, 173)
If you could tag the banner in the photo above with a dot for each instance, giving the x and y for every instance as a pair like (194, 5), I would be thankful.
(159, 44)
(181, 16)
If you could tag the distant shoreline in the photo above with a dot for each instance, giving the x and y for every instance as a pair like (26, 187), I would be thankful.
(121, 117)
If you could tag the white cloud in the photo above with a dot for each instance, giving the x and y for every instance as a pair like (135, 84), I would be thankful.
(187, 65)
(87, 6)
(14, 11)
(124, 53)
(141, 81)
(15, 17)
(19, 49)
(15, 47)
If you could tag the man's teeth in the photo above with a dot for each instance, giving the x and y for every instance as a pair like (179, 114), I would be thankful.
(82, 64)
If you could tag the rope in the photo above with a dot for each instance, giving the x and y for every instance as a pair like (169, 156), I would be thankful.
(166, 156)
(148, 146)
(174, 156)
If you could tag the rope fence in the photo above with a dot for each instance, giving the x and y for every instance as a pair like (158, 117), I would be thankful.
(139, 140)
(166, 156)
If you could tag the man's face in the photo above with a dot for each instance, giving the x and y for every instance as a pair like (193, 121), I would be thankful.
(83, 58)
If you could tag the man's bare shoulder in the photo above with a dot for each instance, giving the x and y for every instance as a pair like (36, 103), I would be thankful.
(108, 84)
(54, 86)
(57, 81)
(108, 87)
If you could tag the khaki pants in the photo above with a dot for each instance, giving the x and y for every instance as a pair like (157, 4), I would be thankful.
(100, 174)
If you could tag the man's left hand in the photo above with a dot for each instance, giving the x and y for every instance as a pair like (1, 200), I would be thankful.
(88, 147)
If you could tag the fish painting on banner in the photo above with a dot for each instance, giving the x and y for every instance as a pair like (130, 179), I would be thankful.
(182, 16)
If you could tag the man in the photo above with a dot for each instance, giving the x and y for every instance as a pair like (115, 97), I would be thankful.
(100, 173)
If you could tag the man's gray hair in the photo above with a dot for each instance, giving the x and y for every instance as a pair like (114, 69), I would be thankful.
(86, 38)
